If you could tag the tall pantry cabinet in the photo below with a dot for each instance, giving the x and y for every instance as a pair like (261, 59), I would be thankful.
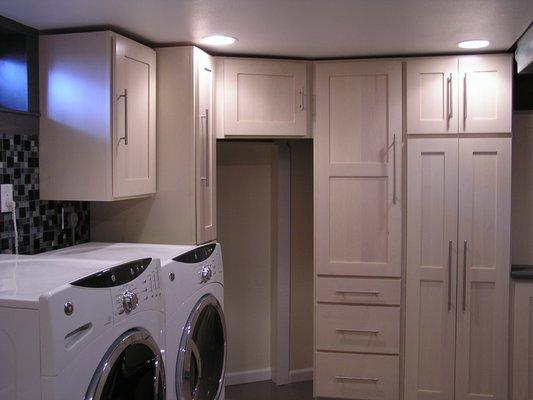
(458, 228)
(358, 229)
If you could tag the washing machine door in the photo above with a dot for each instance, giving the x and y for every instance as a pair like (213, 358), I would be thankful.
(131, 369)
(202, 353)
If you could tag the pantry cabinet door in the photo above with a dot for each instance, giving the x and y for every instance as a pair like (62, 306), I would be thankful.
(485, 100)
(134, 150)
(432, 95)
(265, 98)
(523, 341)
(358, 168)
(483, 270)
(431, 269)
(205, 149)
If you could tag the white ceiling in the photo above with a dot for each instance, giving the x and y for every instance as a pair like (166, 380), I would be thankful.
(299, 28)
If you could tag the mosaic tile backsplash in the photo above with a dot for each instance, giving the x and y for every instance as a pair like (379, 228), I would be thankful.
(38, 222)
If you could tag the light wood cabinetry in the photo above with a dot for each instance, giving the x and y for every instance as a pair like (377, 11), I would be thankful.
(522, 375)
(458, 260)
(358, 154)
(97, 129)
(466, 94)
(262, 98)
(183, 211)
(358, 168)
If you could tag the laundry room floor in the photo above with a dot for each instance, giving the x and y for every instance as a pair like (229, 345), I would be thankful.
(268, 390)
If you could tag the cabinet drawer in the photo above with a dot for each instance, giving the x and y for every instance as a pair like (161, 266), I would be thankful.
(366, 329)
(356, 376)
(358, 290)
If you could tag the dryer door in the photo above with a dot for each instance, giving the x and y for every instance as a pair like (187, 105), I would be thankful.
(202, 353)
(131, 369)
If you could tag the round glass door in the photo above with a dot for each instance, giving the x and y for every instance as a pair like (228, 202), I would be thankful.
(132, 369)
(202, 353)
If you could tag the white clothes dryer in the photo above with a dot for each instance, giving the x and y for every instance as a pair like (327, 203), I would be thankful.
(80, 329)
(195, 330)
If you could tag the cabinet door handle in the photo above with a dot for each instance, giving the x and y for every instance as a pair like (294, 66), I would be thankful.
(393, 169)
(359, 331)
(465, 248)
(125, 97)
(356, 292)
(356, 379)
(450, 245)
(465, 97)
(301, 94)
(450, 98)
(206, 147)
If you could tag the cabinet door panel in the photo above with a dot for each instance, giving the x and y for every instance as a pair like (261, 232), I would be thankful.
(523, 341)
(485, 102)
(358, 169)
(432, 95)
(483, 273)
(205, 150)
(265, 98)
(431, 268)
(134, 120)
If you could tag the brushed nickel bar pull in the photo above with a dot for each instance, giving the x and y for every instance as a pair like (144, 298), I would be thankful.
(357, 379)
(464, 102)
(450, 245)
(301, 93)
(361, 331)
(125, 97)
(465, 247)
(450, 98)
(206, 144)
(394, 169)
(355, 292)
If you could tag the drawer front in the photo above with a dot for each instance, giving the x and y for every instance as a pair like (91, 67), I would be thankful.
(358, 290)
(366, 329)
(356, 376)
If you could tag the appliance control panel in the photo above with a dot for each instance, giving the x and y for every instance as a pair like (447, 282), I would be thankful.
(143, 293)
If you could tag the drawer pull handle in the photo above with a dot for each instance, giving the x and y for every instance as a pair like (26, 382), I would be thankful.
(356, 292)
(356, 379)
(361, 331)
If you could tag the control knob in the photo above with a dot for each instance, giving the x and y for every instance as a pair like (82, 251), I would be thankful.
(205, 274)
(129, 301)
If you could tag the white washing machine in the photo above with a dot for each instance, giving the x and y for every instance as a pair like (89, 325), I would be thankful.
(195, 331)
(80, 329)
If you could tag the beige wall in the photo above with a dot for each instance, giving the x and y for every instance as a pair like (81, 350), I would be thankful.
(301, 330)
(244, 230)
(522, 189)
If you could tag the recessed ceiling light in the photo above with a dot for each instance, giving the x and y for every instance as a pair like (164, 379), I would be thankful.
(473, 44)
(218, 40)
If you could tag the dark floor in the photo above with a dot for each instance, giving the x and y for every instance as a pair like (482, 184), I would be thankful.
(267, 390)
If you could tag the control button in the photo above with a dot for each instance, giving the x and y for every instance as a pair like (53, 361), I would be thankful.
(113, 278)
(132, 272)
(129, 301)
(205, 274)
(69, 308)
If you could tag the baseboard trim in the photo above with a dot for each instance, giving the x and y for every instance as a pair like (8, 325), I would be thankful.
(255, 375)
(301, 375)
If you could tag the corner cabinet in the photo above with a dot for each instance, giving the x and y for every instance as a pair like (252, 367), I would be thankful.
(262, 98)
(465, 94)
(97, 129)
(183, 211)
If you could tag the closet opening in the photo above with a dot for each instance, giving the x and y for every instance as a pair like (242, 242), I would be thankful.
(265, 226)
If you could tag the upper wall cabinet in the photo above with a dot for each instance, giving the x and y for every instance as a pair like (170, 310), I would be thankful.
(97, 130)
(467, 94)
(262, 98)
